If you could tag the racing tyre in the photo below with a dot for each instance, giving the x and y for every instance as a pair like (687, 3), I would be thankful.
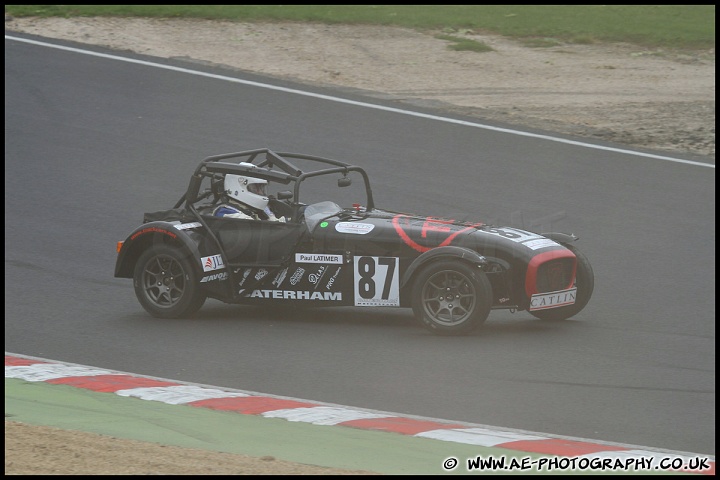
(166, 284)
(585, 283)
(451, 297)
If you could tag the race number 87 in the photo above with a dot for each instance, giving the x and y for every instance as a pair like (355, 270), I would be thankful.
(376, 281)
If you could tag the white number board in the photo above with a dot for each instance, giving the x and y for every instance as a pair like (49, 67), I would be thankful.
(377, 282)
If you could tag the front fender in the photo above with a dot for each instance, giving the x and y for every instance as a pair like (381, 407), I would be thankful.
(461, 253)
(155, 233)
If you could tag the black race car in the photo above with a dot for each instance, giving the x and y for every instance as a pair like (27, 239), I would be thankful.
(331, 251)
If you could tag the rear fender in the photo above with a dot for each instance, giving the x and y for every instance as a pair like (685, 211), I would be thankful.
(155, 233)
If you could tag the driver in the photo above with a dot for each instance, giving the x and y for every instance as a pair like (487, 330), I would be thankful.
(246, 197)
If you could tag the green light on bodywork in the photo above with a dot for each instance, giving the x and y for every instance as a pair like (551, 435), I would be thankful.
(323, 224)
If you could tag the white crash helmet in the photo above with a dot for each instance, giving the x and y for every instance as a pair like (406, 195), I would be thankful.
(248, 190)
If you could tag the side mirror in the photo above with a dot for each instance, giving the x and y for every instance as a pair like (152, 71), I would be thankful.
(344, 182)
(284, 195)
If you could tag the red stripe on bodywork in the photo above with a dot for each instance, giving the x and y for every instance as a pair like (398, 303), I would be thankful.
(250, 405)
(110, 383)
(405, 426)
(539, 259)
(420, 248)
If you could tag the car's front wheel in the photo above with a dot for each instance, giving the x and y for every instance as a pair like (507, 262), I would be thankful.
(585, 283)
(450, 297)
(166, 284)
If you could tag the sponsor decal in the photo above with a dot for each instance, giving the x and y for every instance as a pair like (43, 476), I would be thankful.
(185, 226)
(317, 258)
(152, 230)
(280, 277)
(314, 278)
(355, 228)
(296, 295)
(540, 243)
(245, 275)
(561, 298)
(213, 262)
(297, 276)
(216, 276)
(332, 279)
(261, 273)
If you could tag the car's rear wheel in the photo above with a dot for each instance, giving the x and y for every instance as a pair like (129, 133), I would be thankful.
(166, 284)
(585, 283)
(450, 297)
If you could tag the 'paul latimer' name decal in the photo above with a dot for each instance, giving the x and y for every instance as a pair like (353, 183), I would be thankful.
(317, 258)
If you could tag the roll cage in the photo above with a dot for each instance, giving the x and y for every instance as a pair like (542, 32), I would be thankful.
(271, 166)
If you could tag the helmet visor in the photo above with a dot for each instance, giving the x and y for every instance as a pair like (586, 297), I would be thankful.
(258, 189)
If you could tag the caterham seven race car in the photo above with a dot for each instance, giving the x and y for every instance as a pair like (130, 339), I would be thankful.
(334, 247)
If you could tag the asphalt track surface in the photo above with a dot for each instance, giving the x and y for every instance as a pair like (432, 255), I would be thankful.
(92, 142)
